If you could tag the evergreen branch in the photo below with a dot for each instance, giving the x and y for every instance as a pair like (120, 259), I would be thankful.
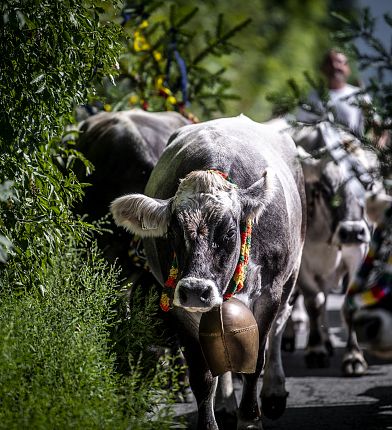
(219, 41)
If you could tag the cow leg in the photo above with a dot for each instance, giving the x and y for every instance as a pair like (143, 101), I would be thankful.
(202, 382)
(273, 393)
(249, 415)
(225, 400)
(353, 363)
(319, 346)
(297, 321)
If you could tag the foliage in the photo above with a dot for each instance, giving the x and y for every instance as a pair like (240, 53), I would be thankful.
(229, 68)
(163, 66)
(50, 53)
(283, 39)
(378, 57)
(56, 367)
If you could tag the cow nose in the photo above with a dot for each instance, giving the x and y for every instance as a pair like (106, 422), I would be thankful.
(195, 293)
(191, 294)
(351, 233)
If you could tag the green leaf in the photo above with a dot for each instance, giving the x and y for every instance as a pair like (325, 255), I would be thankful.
(37, 79)
(5, 247)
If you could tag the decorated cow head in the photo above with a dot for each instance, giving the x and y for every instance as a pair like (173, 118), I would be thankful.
(203, 223)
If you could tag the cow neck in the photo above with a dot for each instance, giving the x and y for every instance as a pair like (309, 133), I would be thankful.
(238, 279)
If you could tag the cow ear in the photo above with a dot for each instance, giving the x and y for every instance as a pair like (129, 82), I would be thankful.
(142, 215)
(312, 167)
(257, 197)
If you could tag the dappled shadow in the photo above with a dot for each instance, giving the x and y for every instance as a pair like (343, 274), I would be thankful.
(371, 416)
(324, 399)
(294, 364)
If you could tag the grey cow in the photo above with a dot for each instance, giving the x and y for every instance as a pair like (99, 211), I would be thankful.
(338, 231)
(191, 211)
(124, 147)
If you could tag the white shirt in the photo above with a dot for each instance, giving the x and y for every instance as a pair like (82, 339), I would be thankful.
(343, 104)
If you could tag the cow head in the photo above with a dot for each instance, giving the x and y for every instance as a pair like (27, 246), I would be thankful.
(202, 222)
(335, 200)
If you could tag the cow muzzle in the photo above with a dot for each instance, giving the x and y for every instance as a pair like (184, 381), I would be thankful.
(351, 233)
(196, 294)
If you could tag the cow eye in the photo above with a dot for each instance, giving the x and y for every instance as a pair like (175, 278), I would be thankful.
(229, 235)
(336, 201)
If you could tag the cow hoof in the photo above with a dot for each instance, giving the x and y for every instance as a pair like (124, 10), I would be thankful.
(249, 425)
(317, 360)
(273, 406)
(288, 344)
(354, 364)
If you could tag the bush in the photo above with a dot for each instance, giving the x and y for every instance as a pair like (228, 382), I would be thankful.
(56, 366)
(57, 296)
(51, 52)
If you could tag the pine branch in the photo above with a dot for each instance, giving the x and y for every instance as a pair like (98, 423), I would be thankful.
(219, 41)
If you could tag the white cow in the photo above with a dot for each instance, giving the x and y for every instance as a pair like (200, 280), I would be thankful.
(338, 229)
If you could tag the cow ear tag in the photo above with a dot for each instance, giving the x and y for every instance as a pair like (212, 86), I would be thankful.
(229, 338)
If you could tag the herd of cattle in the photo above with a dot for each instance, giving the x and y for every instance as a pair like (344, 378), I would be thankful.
(188, 189)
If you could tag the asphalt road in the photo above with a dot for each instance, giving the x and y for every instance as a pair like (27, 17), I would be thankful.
(322, 399)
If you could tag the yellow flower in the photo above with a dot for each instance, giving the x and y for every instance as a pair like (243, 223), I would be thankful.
(140, 43)
(165, 302)
(107, 107)
(157, 55)
(133, 99)
(166, 91)
(159, 82)
(143, 24)
(172, 100)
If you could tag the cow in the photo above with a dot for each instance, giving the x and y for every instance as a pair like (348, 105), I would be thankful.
(368, 303)
(123, 147)
(212, 179)
(338, 230)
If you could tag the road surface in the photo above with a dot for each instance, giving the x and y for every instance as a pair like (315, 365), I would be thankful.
(322, 399)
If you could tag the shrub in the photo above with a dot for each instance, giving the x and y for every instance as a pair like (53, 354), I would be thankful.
(56, 365)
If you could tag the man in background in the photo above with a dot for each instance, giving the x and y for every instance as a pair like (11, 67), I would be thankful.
(343, 97)
(346, 102)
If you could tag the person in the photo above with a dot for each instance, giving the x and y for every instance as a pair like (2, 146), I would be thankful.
(345, 102)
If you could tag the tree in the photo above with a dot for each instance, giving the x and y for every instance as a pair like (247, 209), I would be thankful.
(51, 53)
(378, 58)
(163, 65)
(56, 293)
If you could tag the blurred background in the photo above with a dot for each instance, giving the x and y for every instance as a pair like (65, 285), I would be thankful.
(235, 53)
